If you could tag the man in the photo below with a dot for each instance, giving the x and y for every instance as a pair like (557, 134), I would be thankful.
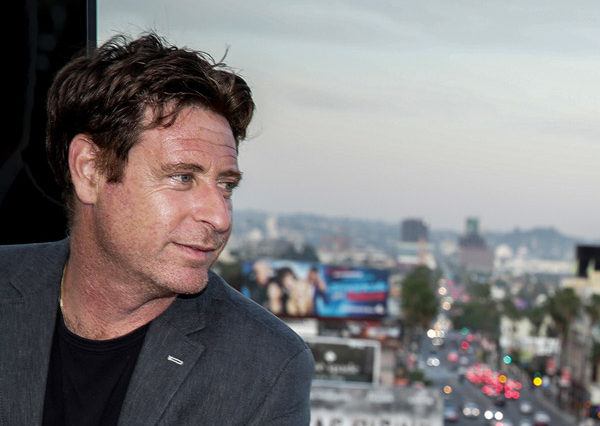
(256, 287)
(123, 323)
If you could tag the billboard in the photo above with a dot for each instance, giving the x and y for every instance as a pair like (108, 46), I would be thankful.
(345, 360)
(353, 293)
(291, 288)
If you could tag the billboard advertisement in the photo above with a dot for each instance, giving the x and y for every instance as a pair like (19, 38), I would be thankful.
(353, 293)
(302, 289)
(345, 360)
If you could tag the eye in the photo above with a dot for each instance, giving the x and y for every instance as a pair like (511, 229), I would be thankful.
(182, 178)
(228, 187)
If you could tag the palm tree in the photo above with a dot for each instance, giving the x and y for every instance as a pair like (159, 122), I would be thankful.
(563, 308)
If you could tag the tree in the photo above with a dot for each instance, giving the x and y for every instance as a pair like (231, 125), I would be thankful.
(419, 301)
(536, 315)
(480, 316)
(592, 308)
(563, 308)
(510, 310)
(479, 292)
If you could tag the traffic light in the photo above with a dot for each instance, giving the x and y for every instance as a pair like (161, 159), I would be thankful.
(507, 359)
(537, 379)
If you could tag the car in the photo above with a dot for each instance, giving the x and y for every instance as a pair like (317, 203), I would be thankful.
(541, 418)
(525, 422)
(433, 361)
(500, 400)
(464, 361)
(525, 407)
(471, 410)
(462, 371)
(493, 415)
(450, 413)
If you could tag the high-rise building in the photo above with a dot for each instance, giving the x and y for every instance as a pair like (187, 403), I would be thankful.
(414, 230)
(474, 254)
(414, 249)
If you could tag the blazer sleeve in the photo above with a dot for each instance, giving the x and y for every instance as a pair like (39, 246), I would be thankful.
(288, 401)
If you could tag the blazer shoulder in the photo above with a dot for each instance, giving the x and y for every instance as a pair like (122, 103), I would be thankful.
(258, 321)
(28, 262)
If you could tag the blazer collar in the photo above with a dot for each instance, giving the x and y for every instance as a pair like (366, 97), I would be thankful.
(188, 313)
(171, 349)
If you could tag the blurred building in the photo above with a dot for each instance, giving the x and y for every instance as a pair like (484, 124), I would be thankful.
(580, 376)
(414, 248)
(414, 230)
(473, 252)
(521, 336)
(587, 280)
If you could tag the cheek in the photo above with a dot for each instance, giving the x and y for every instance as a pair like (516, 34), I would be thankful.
(141, 216)
(162, 210)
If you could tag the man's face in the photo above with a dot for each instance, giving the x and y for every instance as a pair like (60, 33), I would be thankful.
(169, 218)
(263, 272)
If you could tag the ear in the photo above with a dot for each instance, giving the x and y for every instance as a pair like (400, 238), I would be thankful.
(82, 165)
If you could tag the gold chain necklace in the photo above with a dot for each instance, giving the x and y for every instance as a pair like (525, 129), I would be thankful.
(62, 286)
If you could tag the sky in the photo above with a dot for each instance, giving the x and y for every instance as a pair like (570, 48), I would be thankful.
(393, 109)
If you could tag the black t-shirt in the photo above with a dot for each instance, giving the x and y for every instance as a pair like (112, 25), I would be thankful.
(88, 379)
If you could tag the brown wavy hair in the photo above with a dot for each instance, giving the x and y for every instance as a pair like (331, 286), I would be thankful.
(105, 95)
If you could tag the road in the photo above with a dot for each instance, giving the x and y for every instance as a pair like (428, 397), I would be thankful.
(447, 374)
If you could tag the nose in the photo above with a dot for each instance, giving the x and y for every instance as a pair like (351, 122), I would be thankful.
(212, 208)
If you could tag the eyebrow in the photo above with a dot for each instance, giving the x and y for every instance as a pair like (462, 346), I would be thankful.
(193, 167)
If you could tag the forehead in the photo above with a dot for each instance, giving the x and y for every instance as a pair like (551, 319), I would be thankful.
(195, 132)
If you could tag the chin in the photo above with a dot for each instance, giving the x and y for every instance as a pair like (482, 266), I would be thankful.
(190, 284)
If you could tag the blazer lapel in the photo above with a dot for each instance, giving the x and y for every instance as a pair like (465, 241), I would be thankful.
(167, 357)
(25, 346)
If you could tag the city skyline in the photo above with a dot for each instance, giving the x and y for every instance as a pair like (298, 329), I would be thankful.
(386, 111)
(432, 227)
(459, 228)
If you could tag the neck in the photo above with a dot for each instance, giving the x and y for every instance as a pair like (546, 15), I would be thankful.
(99, 301)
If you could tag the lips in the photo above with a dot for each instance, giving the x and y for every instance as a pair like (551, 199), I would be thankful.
(198, 253)
(198, 247)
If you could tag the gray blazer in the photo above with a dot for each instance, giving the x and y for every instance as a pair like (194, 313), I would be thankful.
(240, 364)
